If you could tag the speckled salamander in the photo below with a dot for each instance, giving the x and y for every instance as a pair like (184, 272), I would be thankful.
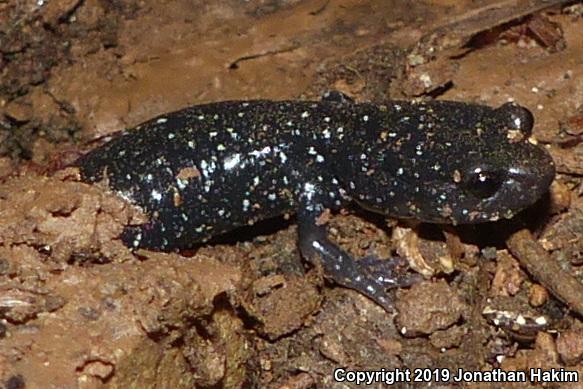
(208, 169)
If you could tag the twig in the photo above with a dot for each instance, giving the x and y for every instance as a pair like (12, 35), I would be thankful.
(545, 270)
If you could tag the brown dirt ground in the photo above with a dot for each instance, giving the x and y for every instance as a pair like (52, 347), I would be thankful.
(78, 309)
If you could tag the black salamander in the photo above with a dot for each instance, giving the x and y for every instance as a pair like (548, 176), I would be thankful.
(208, 169)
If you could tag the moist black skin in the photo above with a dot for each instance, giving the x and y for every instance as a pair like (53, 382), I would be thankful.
(208, 169)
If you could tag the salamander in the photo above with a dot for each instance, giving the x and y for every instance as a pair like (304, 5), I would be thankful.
(205, 170)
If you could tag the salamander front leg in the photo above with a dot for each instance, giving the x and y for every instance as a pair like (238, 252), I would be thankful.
(369, 276)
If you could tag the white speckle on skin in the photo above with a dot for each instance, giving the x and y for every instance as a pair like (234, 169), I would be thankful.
(282, 157)
(232, 161)
(206, 168)
(400, 171)
(305, 114)
(181, 183)
(221, 147)
(317, 245)
(161, 120)
(156, 195)
(136, 241)
(319, 158)
(365, 118)
(261, 153)
(212, 134)
(327, 119)
(272, 196)
(309, 190)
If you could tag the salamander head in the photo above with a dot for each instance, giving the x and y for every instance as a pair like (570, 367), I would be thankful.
(453, 163)
(487, 190)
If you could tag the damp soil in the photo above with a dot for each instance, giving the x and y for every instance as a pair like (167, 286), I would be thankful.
(78, 309)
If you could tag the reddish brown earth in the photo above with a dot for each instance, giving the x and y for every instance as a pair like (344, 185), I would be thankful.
(78, 309)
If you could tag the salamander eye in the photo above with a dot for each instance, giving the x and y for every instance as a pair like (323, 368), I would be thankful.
(483, 183)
